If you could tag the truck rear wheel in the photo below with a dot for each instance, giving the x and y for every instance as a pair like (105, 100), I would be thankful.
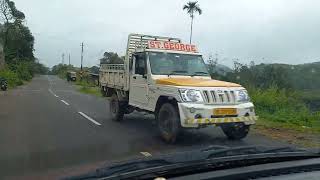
(116, 108)
(103, 93)
(235, 131)
(168, 122)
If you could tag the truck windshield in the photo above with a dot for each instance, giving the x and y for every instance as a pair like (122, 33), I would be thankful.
(177, 64)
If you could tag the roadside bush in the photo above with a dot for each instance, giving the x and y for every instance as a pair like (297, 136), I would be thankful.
(12, 77)
(283, 106)
(24, 71)
(312, 99)
(16, 73)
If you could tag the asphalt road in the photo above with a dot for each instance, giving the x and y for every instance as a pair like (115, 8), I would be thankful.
(48, 129)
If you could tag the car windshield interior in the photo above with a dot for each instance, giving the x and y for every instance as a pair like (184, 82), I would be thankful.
(177, 64)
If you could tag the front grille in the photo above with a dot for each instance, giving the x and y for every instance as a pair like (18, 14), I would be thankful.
(219, 96)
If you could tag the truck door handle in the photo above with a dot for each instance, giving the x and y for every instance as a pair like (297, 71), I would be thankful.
(134, 77)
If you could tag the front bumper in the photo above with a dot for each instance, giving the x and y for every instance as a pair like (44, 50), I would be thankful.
(195, 115)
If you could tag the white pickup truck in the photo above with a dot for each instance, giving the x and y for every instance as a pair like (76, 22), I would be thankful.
(163, 76)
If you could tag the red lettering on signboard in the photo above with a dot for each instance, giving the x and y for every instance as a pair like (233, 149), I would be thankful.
(182, 47)
(158, 44)
(177, 46)
(151, 44)
(166, 45)
(193, 48)
(188, 48)
(172, 46)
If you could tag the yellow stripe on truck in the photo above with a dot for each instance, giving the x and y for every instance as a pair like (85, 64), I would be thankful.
(248, 119)
(195, 82)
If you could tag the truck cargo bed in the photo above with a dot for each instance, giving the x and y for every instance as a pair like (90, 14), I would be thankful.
(113, 76)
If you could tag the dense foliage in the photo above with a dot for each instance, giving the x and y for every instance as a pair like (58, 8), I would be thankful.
(18, 46)
(61, 69)
(111, 58)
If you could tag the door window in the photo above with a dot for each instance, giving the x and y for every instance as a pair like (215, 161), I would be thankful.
(140, 65)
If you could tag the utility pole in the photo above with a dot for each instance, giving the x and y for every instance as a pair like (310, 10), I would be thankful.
(69, 59)
(81, 55)
(62, 58)
(81, 72)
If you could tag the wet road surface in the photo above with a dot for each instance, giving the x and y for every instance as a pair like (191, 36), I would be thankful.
(49, 130)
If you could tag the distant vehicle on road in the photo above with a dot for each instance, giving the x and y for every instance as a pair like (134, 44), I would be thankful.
(71, 76)
(3, 84)
(163, 76)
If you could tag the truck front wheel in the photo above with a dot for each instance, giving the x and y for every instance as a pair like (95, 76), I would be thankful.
(168, 122)
(235, 131)
(116, 108)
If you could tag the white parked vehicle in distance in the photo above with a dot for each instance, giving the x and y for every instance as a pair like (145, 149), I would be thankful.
(163, 76)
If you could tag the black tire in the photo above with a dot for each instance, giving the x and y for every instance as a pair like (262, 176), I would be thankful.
(103, 93)
(168, 122)
(117, 108)
(235, 131)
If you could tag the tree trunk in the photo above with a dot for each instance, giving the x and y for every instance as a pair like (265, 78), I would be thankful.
(191, 29)
(6, 33)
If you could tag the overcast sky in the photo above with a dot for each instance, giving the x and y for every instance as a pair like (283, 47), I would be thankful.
(286, 31)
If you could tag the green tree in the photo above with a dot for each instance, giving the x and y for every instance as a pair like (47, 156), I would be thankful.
(9, 15)
(111, 58)
(192, 7)
(20, 44)
(61, 69)
(38, 68)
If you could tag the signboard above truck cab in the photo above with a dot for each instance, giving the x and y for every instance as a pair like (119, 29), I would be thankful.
(173, 46)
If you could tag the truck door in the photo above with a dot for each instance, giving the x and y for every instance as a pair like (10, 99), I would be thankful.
(138, 94)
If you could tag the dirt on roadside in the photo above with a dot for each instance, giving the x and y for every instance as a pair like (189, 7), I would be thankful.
(302, 139)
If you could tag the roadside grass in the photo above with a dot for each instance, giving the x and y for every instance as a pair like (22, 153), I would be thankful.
(90, 90)
(287, 126)
(83, 86)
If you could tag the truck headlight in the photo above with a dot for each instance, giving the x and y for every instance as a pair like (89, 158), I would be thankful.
(242, 96)
(191, 95)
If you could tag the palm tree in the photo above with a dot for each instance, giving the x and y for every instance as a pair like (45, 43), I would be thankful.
(192, 7)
